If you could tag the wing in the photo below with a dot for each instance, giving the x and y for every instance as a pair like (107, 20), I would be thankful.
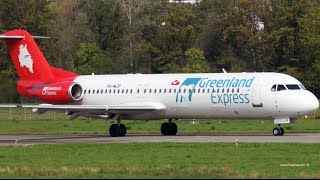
(98, 111)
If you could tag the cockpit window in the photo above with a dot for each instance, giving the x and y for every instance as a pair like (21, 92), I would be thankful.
(302, 86)
(281, 87)
(292, 86)
(274, 88)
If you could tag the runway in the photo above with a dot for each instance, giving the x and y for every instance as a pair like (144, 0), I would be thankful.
(15, 140)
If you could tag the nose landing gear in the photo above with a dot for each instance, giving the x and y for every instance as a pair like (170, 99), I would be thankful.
(278, 131)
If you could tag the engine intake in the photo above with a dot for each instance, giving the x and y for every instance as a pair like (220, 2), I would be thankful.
(59, 92)
(75, 92)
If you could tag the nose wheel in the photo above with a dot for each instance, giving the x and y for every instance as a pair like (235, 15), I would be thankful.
(279, 131)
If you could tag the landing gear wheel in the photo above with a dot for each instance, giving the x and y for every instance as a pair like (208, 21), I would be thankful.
(173, 129)
(169, 129)
(114, 130)
(281, 131)
(165, 129)
(278, 131)
(123, 130)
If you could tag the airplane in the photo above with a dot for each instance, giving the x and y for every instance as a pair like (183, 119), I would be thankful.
(256, 95)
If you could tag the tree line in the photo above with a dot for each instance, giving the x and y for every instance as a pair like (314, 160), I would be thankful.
(147, 36)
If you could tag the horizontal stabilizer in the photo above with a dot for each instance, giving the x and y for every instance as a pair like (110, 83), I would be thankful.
(11, 37)
(22, 37)
(9, 106)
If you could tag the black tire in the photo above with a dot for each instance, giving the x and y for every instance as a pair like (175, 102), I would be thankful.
(173, 129)
(123, 130)
(276, 131)
(281, 131)
(114, 130)
(165, 129)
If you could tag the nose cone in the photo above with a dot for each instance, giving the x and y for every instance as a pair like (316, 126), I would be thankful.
(311, 103)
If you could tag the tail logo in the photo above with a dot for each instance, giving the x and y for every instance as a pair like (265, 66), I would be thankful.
(25, 58)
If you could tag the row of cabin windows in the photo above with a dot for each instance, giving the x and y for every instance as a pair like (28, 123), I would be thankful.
(130, 91)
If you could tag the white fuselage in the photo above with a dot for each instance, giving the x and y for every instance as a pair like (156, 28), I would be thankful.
(201, 96)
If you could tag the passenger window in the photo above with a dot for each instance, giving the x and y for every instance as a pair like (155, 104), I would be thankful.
(184, 91)
(208, 90)
(292, 86)
(159, 90)
(169, 90)
(89, 91)
(150, 91)
(175, 90)
(127, 91)
(194, 90)
(155, 90)
(274, 88)
(93, 91)
(106, 91)
(138, 91)
(130, 91)
(281, 87)
(145, 90)
(84, 92)
(199, 90)
(165, 90)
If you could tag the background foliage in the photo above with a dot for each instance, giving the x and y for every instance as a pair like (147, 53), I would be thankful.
(146, 36)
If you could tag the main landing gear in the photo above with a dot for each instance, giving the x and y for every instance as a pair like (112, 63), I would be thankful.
(169, 128)
(278, 131)
(118, 129)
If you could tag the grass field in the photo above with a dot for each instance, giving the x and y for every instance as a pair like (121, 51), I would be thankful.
(154, 160)
(161, 160)
(25, 122)
(153, 127)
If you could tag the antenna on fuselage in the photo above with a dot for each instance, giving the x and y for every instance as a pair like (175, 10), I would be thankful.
(224, 71)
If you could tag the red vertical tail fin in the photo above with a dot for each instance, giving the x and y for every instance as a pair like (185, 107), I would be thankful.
(27, 57)
(31, 65)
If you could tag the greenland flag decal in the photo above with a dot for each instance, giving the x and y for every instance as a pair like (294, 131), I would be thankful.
(175, 82)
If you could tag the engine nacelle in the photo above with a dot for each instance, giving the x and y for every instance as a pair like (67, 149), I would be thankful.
(59, 92)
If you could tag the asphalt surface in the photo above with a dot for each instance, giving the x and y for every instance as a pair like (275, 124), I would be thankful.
(16, 140)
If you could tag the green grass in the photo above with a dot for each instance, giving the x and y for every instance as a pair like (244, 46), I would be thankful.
(161, 160)
(153, 127)
(20, 121)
